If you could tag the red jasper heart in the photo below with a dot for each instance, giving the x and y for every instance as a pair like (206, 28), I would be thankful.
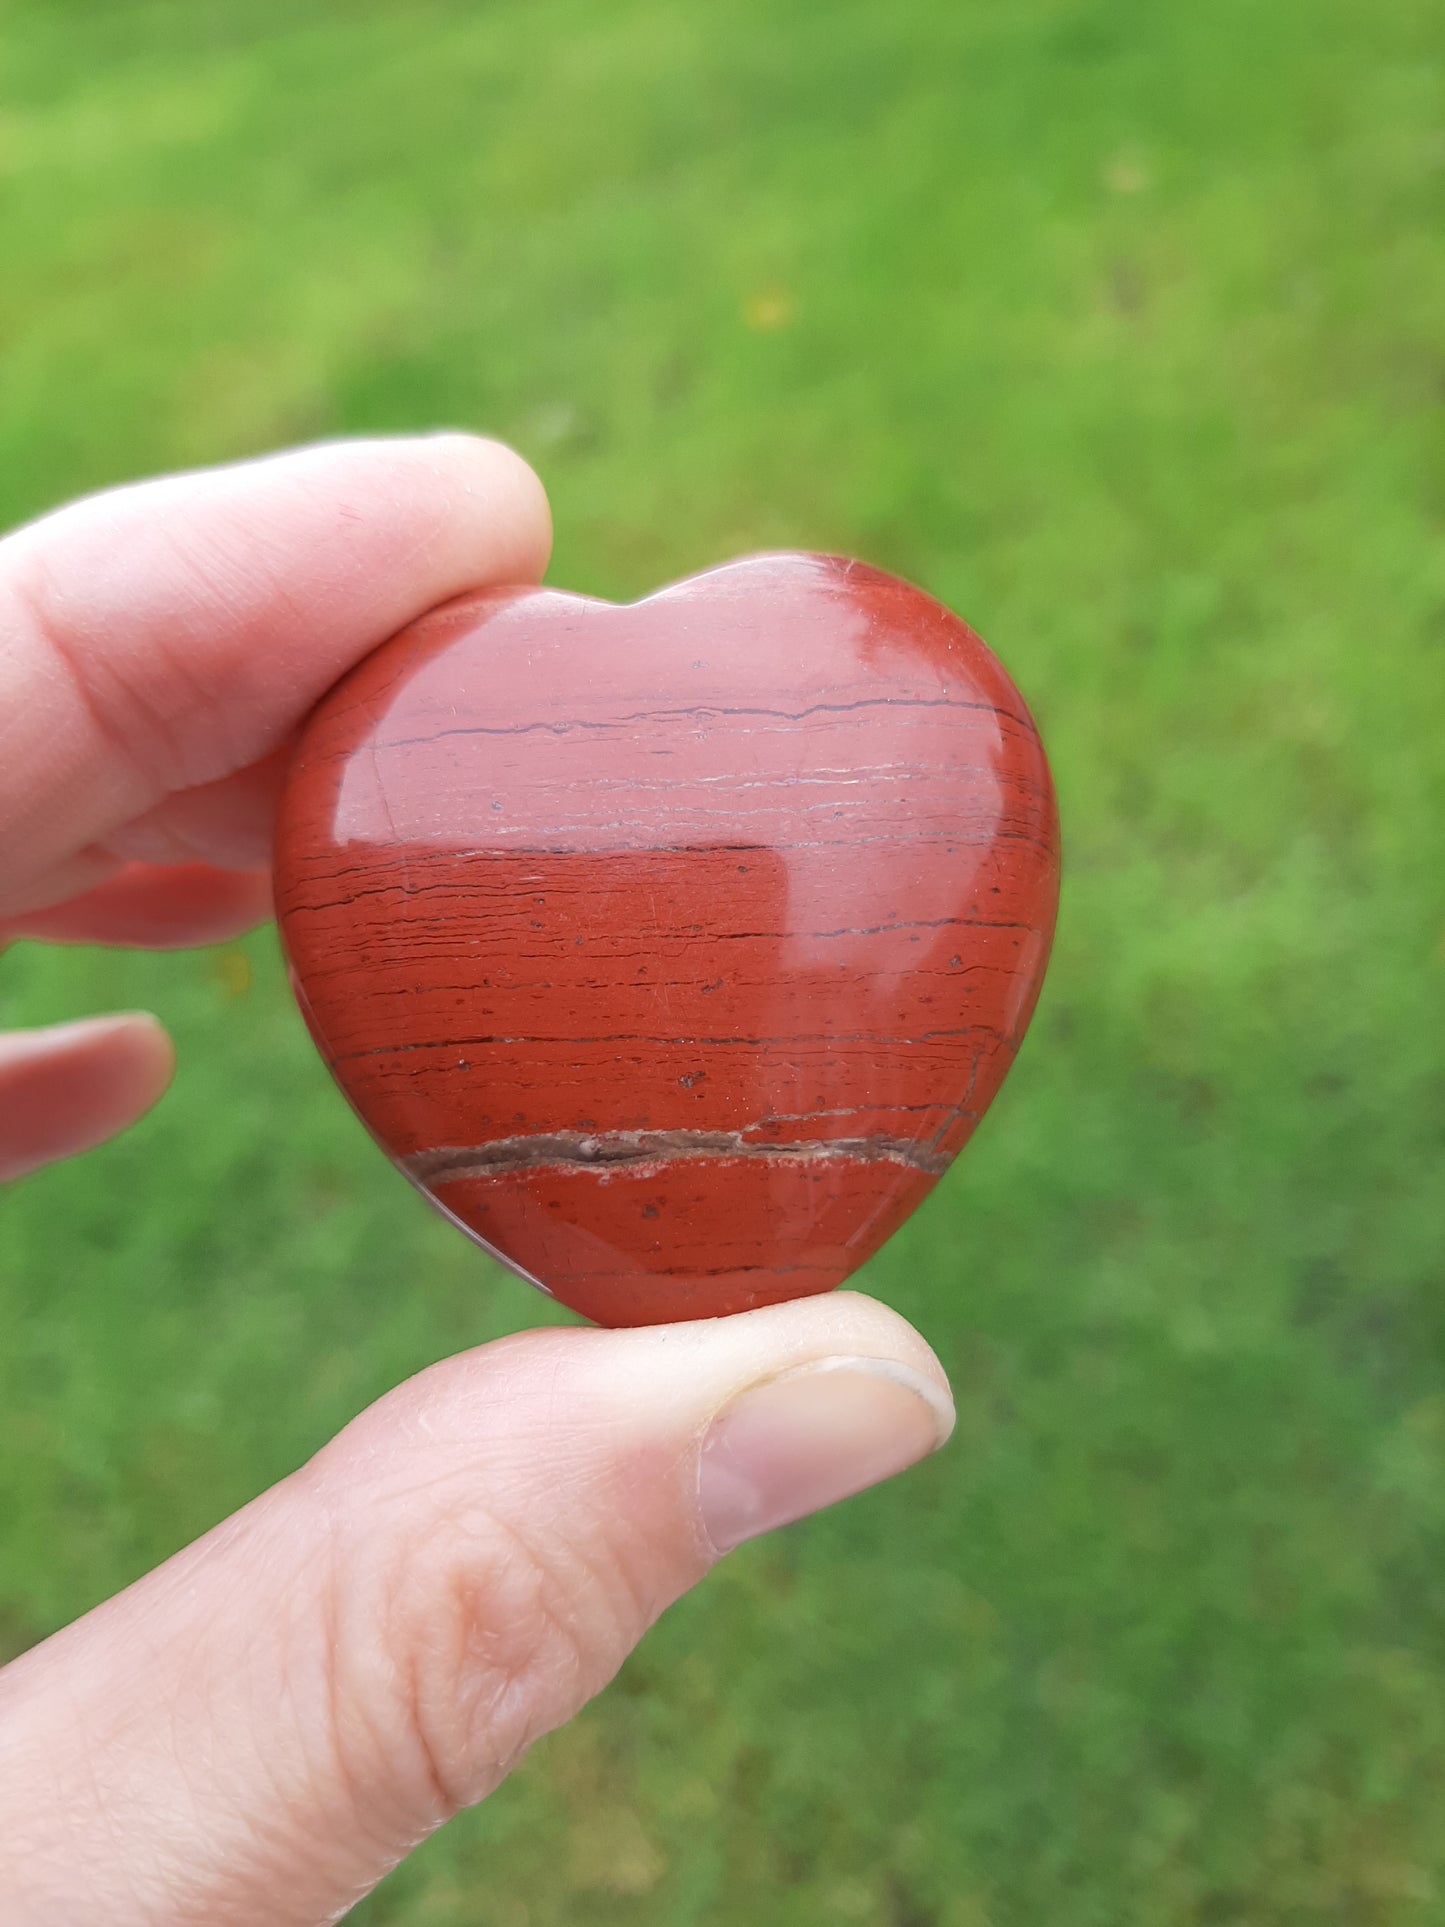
(674, 950)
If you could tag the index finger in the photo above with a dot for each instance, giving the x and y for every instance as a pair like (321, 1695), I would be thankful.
(164, 637)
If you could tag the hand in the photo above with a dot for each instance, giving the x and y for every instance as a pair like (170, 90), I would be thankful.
(259, 1730)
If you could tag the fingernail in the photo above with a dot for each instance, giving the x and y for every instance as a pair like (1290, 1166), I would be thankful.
(810, 1437)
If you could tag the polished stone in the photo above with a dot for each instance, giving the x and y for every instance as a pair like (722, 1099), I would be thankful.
(674, 949)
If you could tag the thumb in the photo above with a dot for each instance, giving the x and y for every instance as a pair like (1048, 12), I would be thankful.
(260, 1729)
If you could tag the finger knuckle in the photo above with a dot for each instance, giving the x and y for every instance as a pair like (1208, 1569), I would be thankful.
(473, 1629)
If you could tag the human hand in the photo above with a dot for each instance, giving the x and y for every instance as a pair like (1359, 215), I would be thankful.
(263, 1727)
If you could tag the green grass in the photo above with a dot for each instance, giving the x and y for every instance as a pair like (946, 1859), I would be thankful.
(1118, 324)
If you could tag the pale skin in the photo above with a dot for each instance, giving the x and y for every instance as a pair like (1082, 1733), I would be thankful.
(260, 1729)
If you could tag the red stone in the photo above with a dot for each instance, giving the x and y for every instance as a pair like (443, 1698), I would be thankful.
(675, 949)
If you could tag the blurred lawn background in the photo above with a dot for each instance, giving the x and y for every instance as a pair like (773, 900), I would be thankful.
(1120, 325)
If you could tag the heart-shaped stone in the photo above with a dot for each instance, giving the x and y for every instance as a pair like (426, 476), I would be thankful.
(673, 950)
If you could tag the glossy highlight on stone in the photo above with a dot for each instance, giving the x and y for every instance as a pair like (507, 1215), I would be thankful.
(673, 949)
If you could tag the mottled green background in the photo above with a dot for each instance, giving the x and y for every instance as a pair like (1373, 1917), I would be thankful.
(1120, 324)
